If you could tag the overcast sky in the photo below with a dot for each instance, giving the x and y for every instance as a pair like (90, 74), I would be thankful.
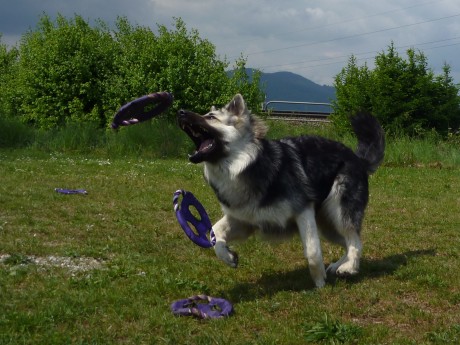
(310, 38)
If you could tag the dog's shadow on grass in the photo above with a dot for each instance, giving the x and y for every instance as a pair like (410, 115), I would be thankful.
(299, 279)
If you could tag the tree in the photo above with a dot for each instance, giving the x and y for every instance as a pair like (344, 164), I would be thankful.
(247, 82)
(175, 60)
(405, 95)
(353, 88)
(8, 59)
(60, 71)
(67, 70)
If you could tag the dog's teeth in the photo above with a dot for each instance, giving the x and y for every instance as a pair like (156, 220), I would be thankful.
(207, 147)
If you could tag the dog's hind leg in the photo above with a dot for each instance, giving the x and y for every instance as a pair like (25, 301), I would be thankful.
(344, 215)
(348, 264)
(311, 245)
(228, 229)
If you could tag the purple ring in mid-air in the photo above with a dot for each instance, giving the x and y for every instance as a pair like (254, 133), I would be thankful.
(186, 218)
(135, 111)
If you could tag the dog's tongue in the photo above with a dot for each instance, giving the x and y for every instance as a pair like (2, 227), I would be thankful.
(206, 145)
(200, 154)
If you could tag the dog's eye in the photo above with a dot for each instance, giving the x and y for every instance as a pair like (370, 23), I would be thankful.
(210, 117)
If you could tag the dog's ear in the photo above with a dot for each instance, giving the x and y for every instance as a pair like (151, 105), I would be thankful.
(237, 106)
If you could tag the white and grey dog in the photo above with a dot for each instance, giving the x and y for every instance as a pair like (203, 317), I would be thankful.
(307, 185)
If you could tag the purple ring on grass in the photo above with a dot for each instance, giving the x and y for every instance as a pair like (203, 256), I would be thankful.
(186, 218)
(135, 111)
(70, 191)
(203, 307)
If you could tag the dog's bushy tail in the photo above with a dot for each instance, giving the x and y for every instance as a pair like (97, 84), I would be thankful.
(371, 140)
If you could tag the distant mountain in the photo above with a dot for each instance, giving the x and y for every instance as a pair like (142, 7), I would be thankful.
(293, 87)
(287, 86)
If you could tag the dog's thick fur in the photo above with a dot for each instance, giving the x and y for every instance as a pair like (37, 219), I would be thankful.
(310, 185)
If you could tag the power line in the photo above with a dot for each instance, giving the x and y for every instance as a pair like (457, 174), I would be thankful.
(366, 58)
(353, 36)
(355, 54)
(348, 20)
(345, 21)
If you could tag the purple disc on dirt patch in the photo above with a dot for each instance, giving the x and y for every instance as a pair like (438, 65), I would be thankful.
(203, 307)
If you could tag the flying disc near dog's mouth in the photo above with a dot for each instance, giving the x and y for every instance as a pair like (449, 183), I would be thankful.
(138, 110)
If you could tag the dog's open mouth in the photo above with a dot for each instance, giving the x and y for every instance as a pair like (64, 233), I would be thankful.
(205, 143)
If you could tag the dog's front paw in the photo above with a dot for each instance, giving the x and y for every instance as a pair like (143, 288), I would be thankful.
(331, 270)
(346, 270)
(320, 282)
(340, 269)
(318, 274)
(226, 255)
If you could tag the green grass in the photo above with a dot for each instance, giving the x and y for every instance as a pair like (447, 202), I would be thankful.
(152, 140)
(408, 290)
(332, 332)
(149, 140)
(432, 150)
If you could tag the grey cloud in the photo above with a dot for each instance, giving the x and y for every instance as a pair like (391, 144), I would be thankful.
(274, 33)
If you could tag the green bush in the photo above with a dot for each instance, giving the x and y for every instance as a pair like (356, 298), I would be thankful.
(15, 134)
(60, 73)
(79, 137)
(66, 71)
(158, 138)
(405, 95)
(8, 59)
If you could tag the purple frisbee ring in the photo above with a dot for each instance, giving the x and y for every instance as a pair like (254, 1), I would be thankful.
(70, 191)
(136, 111)
(186, 218)
(203, 307)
